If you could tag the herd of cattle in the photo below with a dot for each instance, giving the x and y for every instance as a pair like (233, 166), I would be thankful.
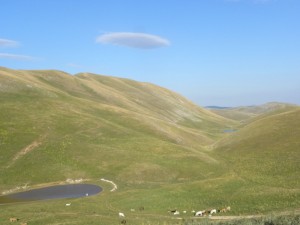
(174, 212)
(203, 212)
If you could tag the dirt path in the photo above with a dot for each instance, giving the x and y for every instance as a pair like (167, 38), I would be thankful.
(234, 217)
(36, 143)
(291, 212)
(115, 187)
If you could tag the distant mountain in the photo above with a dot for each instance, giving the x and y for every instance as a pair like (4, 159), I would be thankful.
(216, 107)
(245, 113)
(265, 108)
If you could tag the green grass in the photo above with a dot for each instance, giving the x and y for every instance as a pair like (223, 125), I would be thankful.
(156, 200)
(266, 151)
(153, 143)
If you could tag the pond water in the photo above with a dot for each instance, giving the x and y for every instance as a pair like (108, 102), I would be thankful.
(52, 192)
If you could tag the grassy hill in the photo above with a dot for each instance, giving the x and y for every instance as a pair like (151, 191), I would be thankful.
(162, 151)
(265, 155)
(82, 125)
(247, 113)
(266, 151)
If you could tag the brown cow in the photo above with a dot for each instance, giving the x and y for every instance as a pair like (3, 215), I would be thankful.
(13, 219)
(225, 209)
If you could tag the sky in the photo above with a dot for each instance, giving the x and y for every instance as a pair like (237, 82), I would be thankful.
(213, 52)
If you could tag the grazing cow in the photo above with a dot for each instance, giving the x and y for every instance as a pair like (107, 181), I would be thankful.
(212, 211)
(174, 212)
(121, 214)
(123, 221)
(142, 208)
(199, 213)
(223, 210)
(13, 219)
(68, 204)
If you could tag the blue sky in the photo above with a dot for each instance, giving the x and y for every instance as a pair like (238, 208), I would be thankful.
(214, 52)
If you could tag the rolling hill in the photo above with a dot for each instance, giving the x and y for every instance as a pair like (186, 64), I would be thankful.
(163, 151)
(83, 125)
(247, 113)
(266, 151)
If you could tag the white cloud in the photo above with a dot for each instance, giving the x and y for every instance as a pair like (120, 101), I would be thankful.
(133, 40)
(16, 57)
(8, 43)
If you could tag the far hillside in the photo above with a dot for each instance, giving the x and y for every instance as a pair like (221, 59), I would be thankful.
(247, 113)
(266, 151)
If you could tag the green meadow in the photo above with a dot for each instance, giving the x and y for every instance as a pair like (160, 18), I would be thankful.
(162, 151)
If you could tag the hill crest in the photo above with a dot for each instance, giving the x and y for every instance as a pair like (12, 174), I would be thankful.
(68, 113)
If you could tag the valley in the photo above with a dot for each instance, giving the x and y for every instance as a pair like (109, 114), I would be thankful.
(162, 151)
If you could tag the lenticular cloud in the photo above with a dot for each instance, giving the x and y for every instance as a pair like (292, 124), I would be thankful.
(133, 40)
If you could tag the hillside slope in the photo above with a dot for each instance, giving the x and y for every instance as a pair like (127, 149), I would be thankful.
(266, 151)
(90, 125)
(248, 114)
(162, 151)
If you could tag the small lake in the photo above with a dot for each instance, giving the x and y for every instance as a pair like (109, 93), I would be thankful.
(52, 192)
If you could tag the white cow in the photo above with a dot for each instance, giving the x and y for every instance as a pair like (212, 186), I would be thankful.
(121, 214)
(213, 211)
(199, 213)
(176, 213)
